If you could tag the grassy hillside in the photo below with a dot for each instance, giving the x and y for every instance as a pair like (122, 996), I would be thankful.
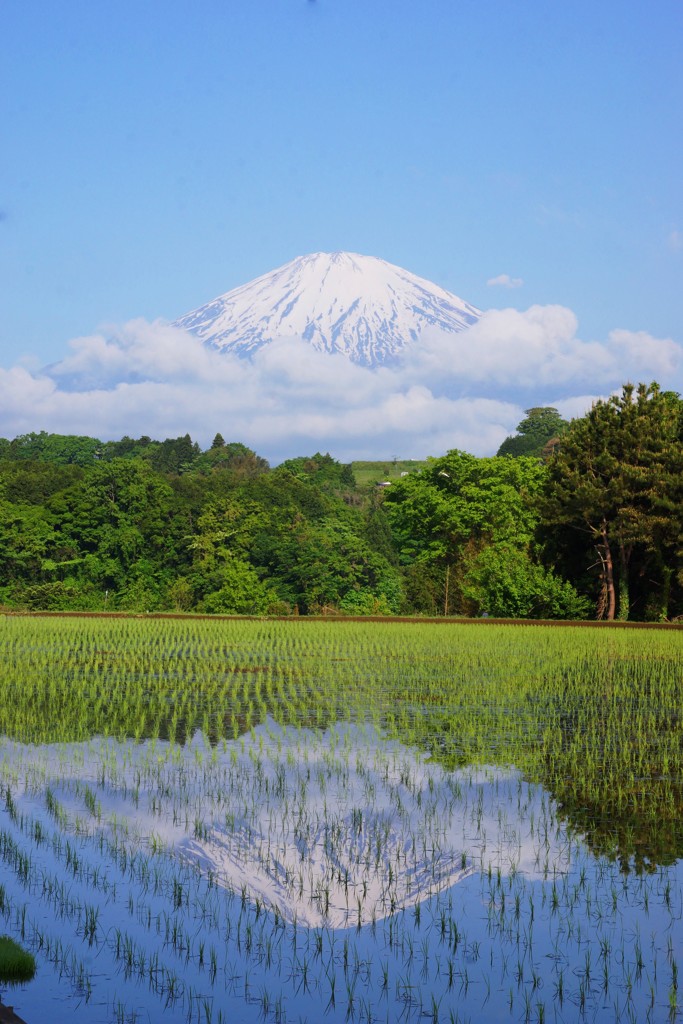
(367, 473)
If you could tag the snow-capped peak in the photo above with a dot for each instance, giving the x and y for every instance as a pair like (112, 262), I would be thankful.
(361, 306)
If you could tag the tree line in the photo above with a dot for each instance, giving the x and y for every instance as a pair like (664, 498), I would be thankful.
(569, 521)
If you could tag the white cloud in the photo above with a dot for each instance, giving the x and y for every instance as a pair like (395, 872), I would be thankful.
(645, 356)
(505, 281)
(675, 240)
(578, 405)
(138, 350)
(509, 349)
(450, 391)
(509, 352)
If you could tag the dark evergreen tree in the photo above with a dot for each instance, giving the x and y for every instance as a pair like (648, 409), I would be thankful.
(616, 480)
(175, 455)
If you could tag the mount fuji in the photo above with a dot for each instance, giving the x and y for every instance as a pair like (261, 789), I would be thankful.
(361, 306)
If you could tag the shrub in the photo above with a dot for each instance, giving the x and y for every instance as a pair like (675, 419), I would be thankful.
(16, 964)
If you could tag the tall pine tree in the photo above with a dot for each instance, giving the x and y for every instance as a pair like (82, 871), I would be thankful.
(617, 479)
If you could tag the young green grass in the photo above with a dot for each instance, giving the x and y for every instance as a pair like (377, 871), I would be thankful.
(16, 964)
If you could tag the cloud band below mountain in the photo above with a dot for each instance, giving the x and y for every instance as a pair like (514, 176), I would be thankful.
(465, 390)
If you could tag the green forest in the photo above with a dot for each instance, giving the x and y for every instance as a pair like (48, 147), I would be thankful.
(578, 520)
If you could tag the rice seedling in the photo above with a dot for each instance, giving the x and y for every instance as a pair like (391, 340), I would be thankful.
(260, 819)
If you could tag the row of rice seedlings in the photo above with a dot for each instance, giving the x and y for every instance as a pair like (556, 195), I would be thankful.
(417, 936)
(208, 791)
(467, 712)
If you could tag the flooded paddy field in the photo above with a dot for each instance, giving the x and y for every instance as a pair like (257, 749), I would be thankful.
(290, 821)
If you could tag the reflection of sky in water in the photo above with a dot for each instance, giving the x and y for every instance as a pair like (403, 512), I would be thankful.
(339, 828)
(336, 876)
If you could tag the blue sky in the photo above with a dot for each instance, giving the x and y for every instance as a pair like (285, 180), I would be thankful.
(156, 154)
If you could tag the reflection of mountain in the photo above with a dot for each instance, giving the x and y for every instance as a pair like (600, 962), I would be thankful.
(356, 828)
(619, 791)
(332, 875)
(339, 828)
(171, 871)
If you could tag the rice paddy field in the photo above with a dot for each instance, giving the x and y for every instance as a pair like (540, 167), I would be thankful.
(288, 821)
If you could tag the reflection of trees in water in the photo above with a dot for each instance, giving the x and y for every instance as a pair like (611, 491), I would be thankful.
(602, 733)
(219, 724)
(642, 835)
(611, 786)
(616, 776)
(620, 787)
(614, 770)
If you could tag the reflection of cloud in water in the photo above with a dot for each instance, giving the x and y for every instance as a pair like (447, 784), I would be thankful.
(338, 828)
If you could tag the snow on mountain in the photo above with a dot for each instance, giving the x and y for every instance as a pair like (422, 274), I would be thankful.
(361, 306)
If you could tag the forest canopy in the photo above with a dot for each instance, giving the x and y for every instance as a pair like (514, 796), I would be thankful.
(569, 520)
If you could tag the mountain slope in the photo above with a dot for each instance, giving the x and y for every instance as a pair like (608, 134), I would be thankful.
(360, 306)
